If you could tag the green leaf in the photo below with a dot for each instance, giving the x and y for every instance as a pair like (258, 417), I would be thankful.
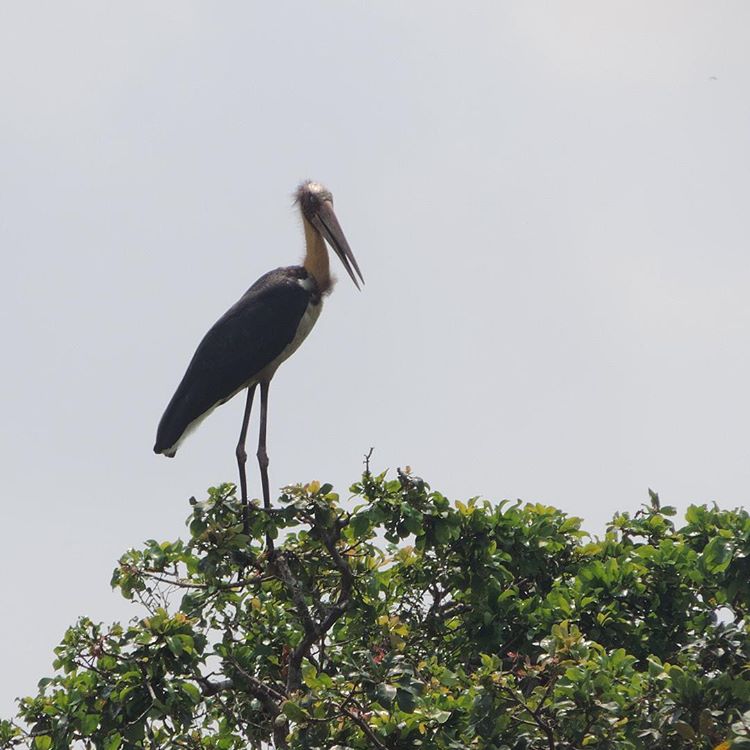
(294, 712)
(191, 691)
(717, 555)
(654, 498)
(684, 730)
(406, 700)
(359, 524)
(442, 531)
(42, 742)
(175, 645)
(89, 723)
(386, 693)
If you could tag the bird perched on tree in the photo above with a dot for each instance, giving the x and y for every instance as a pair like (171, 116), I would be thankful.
(244, 348)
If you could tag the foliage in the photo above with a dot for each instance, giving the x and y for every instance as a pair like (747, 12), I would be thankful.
(411, 622)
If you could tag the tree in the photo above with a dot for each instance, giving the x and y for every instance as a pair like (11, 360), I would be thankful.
(411, 622)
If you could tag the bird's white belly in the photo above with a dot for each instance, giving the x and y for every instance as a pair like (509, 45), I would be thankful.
(308, 320)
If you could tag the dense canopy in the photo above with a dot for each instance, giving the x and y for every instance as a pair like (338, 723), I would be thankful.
(398, 619)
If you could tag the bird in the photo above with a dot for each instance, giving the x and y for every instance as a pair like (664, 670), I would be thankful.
(245, 347)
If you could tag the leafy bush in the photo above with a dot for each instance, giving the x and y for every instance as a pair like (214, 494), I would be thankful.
(412, 622)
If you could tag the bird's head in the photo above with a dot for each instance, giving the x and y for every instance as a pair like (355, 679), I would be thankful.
(316, 204)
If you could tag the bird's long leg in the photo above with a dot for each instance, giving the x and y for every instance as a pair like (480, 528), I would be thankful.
(241, 454)
(262, 454)
(263, 460)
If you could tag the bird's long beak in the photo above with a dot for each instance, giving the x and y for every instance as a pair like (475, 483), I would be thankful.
(327, 224)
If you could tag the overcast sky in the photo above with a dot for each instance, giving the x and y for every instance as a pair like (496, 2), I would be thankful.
(548, 201)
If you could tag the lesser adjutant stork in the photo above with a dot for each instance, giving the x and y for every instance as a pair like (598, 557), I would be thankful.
(246, 345)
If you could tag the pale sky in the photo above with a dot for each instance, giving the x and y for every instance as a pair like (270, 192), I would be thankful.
(548, 201)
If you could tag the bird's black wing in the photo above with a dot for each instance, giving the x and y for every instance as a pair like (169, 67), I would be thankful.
(248, 337)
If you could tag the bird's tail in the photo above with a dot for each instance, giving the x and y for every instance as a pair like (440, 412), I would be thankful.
(172, 429)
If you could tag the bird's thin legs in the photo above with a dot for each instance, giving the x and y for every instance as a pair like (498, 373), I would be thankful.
(241, 454)
(262, 454)
(263, 460)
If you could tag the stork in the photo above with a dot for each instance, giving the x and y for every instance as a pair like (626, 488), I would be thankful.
(244, 348)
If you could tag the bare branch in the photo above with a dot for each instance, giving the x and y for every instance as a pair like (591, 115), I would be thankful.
(368, 456)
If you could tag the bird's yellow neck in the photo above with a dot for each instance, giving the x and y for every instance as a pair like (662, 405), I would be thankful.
(316, 257)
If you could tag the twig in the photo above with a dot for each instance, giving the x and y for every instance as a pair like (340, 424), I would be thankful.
(252, 581)
(268, 696)
(541, 724)
(209, 688)
(368, 456)
(365, 727)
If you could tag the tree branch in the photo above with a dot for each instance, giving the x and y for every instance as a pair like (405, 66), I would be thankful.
(209, 688)
(252, 581)
(541, 724)
(268, 696)
(296, 593)
(365, 727)
(313, 630)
